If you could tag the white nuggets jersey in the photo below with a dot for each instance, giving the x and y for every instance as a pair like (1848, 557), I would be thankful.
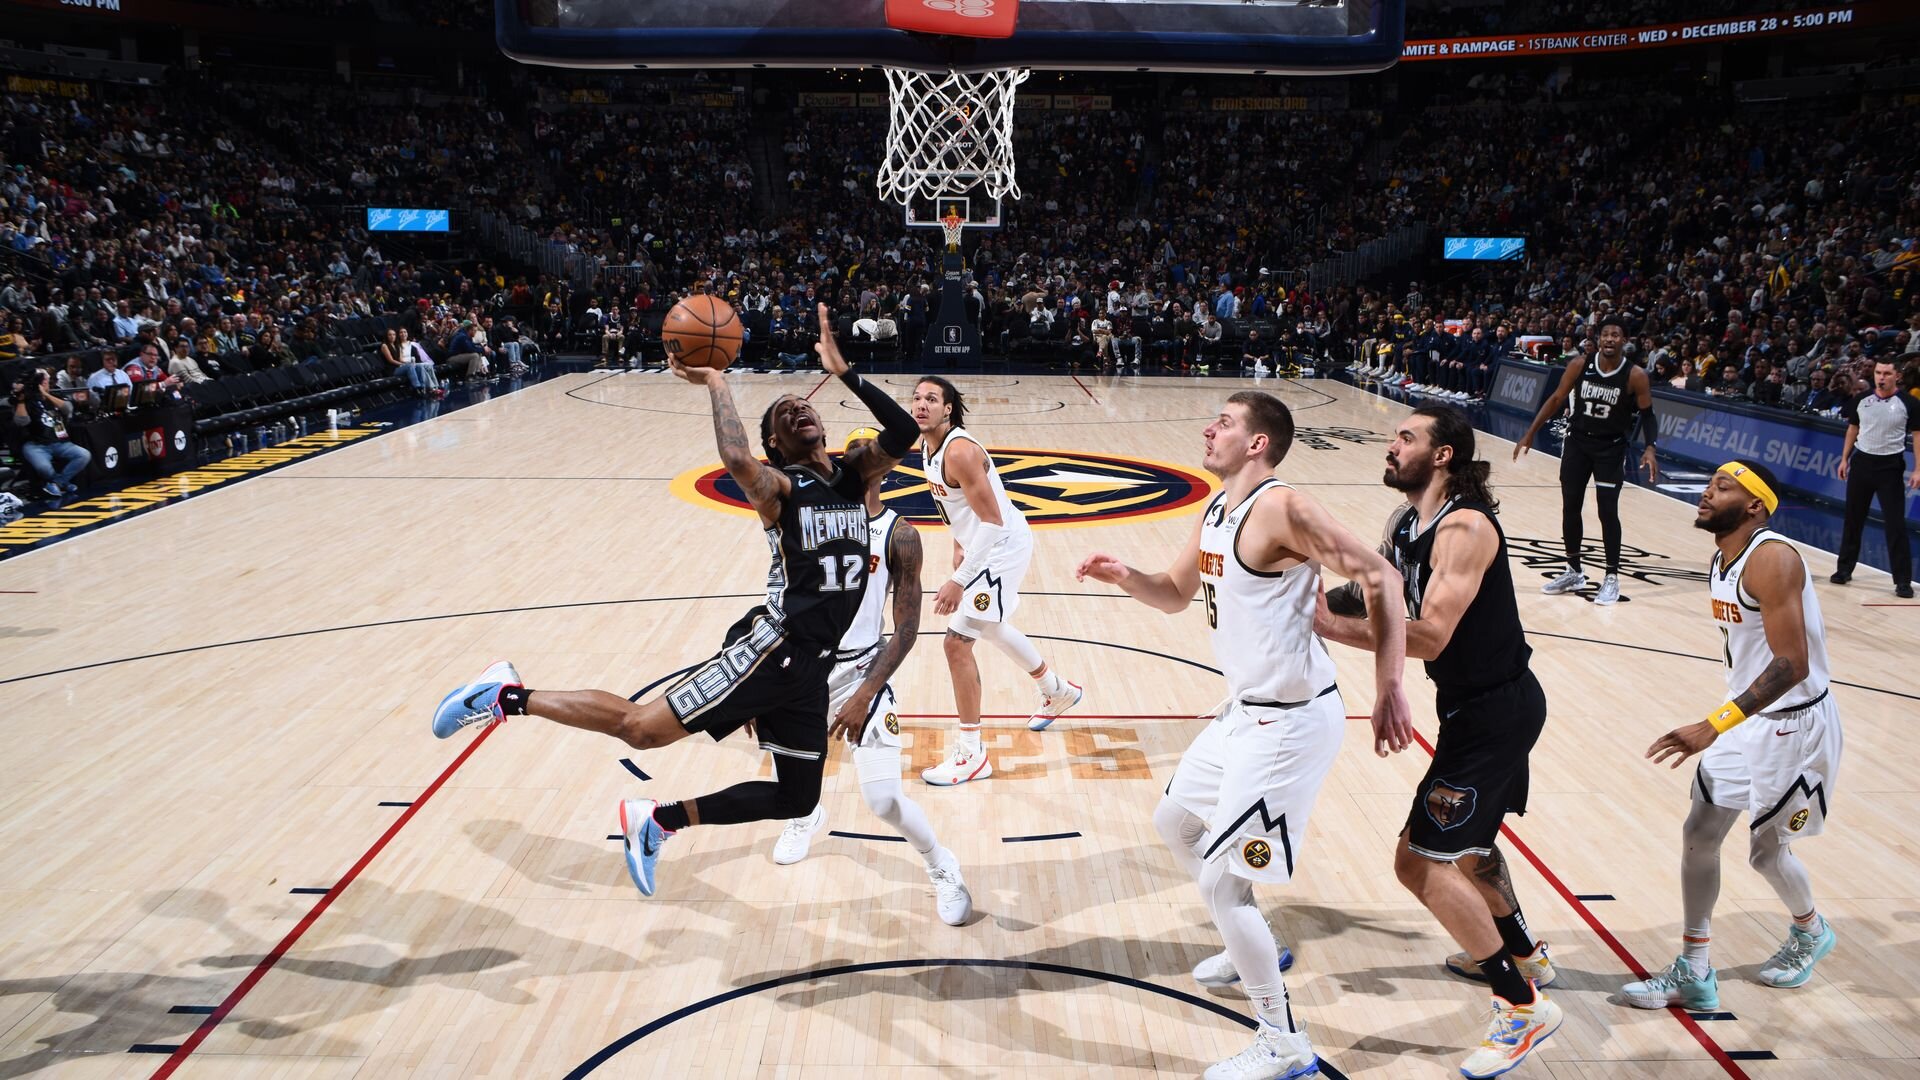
(870, 621)
(953, 503)
(1262, 622)
(1743, 628)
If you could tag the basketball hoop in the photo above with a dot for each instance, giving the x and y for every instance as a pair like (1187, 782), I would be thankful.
(952, 225)
(948, 133)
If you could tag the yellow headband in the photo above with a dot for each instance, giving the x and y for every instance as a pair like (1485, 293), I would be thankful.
(862, 433)
(1750, 480)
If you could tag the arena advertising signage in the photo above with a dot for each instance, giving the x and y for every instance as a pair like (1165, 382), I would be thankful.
(400, 219)
(1485, 248)
(1521, 387)
(1801, 451)
(1645, 37)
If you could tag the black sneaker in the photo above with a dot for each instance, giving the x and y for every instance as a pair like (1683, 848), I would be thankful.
(1904, 590)
(1840, 577)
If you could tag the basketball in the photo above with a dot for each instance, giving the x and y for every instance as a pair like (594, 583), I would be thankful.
(702, 331)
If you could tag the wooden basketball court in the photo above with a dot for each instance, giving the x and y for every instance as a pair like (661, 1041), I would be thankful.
(231, 847)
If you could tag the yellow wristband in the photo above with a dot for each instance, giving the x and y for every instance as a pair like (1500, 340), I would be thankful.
(1726, 716)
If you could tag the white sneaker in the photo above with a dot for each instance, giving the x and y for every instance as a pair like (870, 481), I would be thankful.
(1052, 705)
(797, 837)
(960, 766)
(1513, 1032)
(1609, 590)
(1274, 1055)
(950, 895)
(1215, 970)
(1568, 582)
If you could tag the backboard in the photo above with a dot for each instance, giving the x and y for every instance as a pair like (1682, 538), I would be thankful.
(1262, 36)
(976, 209)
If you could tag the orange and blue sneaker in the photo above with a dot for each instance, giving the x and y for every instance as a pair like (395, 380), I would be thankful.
(1513, 1032)
(641, 836)
(475, 703)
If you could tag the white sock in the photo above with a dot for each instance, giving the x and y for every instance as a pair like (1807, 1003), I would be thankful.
(1694, 943)
(970, 739)
(1050, 683)
(1249, 941)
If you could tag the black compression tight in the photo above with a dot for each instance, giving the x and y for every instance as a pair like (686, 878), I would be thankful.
(1573, 493)
(793, 793)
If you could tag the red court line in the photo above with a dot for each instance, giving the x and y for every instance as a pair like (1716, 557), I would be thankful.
(179, 1056)
(1083, 386)
(816, 387)
(1693, 1026)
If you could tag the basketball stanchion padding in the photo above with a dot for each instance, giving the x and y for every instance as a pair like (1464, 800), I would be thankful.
(955, 18)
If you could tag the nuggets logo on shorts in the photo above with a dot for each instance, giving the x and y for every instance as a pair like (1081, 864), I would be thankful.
(1052, 487)
(1258, 854)
(981, 601)
(1797, 821)
(893, 724)
(1449, 806)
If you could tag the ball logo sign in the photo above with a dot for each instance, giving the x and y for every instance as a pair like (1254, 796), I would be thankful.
(1051, 487)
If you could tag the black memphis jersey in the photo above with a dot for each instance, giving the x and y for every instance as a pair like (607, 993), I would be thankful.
(1603, 406)
(1488, 647)
(819, 547)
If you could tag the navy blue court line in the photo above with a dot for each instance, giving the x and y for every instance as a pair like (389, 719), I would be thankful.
(1585, 897)
(628, 762)
(751, 596)
(193, 1010)
(1711, 1015)
(152, 1048)
(607, 1054)
(864, 836)
(305, 891)
(1751, 1055)
(395, 802)
(615, 836)
(1042, 836)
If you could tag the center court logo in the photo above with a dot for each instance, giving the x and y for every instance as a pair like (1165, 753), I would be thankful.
(1051, 487)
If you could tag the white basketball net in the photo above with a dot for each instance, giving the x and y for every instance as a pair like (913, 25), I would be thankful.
(949, 133)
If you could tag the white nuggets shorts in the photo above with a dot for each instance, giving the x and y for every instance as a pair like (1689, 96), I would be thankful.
(1253, 776)
(1779, 767)
(994, 592)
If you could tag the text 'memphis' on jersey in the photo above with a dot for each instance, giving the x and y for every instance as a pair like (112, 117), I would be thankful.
(820, 557)
(1262, 622)
(1489, 646)
(1603, 405)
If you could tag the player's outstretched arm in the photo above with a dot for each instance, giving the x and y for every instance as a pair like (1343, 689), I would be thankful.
(1171, 591)
(897, 429)
(764, 487)
(1641, 385)
(1774, 577)
(1554, 404)
(1292, 521)
(904, 556)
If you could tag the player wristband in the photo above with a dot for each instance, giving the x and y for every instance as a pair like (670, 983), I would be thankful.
(1725, 717)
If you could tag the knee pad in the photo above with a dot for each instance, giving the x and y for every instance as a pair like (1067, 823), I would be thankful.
(1177, 827)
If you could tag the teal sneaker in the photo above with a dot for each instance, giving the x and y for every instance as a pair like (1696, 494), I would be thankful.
(1676, 986)
(1793, 965)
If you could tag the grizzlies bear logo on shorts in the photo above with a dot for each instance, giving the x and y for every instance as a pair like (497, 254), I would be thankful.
(1447, 805)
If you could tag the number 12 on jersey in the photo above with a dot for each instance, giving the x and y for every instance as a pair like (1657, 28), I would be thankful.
(832, 578)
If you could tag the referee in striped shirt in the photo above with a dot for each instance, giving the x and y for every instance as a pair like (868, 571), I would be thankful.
(1873, 463)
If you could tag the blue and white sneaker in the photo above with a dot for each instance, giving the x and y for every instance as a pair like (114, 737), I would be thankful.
(1793, 965)
(1217, 970)
(641, 837)
(477, 702)
(1274, 1055)
(1052, 705)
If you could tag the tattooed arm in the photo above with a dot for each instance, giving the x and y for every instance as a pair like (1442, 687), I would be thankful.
(903, 564)
(1774, 577)
(764, 487)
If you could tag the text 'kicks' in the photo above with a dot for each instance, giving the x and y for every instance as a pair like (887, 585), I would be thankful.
(950, 896)
(1513, 1032)
(1677, 985)
(1793, 965)
(1217, 970)
(1052, 705)
(797, 837)
(641, 837)
(476, 702)
(1565, 583)
(960, 766)
(1535, 966)
(1274, 1055)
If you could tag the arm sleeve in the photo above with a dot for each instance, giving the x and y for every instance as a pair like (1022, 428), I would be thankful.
(1649, 425)
(897, 429)
(986, 541)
